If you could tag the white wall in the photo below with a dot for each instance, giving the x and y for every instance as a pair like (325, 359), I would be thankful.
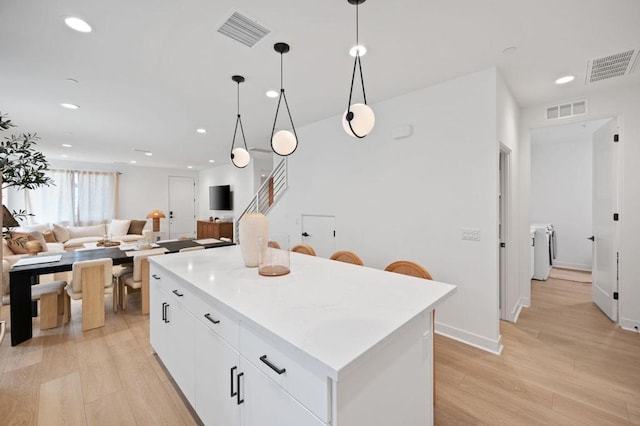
(410, 198)
(141, 189)
(623, 103)
(561, 194)
(241, 181)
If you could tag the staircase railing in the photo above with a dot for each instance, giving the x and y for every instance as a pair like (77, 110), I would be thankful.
(267, 195)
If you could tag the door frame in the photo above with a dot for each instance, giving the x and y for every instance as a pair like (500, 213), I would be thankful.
(504, 188)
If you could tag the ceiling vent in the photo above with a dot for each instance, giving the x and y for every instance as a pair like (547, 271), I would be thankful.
(243, 30)
(611, 66)
(566, 110)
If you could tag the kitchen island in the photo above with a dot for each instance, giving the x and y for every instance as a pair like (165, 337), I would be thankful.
(330, 343)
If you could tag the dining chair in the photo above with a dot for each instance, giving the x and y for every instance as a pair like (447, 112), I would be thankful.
(138, 280)
(304, 249)
(347, 257)
(406, 267)
(273, 244)
(51, 295)
(194, 248)
(90, 281)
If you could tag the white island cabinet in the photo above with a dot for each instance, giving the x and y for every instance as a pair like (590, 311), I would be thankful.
(328, 344)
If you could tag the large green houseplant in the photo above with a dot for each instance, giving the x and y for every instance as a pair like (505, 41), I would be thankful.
(22, 165)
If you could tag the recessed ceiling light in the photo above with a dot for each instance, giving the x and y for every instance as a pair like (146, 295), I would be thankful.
(565, 79)
(212, 161)
(132, 161)
(77, 24)
(66, 145)
(70, 106)
(358, 49)
(201, 130)
(148, 154)
(68, 133)
(64, 156)
(509, 50)
(189, 167)
(272, 94)
(71, 80)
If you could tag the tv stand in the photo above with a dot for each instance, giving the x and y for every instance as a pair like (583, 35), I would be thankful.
(211, 229)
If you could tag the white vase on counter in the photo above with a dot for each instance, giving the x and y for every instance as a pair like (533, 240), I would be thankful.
(254, 228)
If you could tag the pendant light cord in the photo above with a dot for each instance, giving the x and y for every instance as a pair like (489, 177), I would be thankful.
(238, 120)
(282, 95)
(356, 63)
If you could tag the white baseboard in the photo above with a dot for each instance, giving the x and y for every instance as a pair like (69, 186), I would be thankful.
(480, 342)
(629, 324)
(515, 313)
(576, 266)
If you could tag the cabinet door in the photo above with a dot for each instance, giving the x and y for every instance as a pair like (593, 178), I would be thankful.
(180, 359)
(217, 367)
(267, 404)
(157, 325)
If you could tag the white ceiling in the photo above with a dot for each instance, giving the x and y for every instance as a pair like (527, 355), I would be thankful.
(153, 71)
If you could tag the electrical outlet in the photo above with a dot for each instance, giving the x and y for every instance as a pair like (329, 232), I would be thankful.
(471, 234)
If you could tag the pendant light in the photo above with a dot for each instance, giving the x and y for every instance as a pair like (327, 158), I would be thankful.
(358, 120)
(283, 142)
(239, 156)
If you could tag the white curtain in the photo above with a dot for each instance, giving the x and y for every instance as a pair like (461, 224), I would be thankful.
(78, 198)
(97, 194)
(52, 203)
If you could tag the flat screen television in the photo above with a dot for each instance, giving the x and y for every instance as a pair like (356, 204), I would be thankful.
(220, 197)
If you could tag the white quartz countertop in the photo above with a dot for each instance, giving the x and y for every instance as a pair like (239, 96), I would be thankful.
(333, 312)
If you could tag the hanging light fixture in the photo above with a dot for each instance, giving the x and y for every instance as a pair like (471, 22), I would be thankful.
(358, 120)
(239, 156)
(283, 142)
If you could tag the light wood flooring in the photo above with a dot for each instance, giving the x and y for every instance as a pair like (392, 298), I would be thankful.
(564, 363)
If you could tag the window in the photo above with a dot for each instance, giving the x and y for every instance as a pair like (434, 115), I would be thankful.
(77, 198)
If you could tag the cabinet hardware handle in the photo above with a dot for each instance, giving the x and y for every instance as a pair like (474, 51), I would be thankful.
(240, 401)
(164, 312)
(231, 372)
(155, 277)
(166, 317)
(215, 321)
(264, 359)
(177, 293)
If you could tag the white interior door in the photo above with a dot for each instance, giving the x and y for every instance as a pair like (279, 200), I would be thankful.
(605, 247)
(319, 232)
(182, 207)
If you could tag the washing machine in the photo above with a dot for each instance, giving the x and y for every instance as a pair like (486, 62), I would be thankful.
(544, 251)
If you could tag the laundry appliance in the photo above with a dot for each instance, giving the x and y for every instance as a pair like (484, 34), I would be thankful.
(544, 251)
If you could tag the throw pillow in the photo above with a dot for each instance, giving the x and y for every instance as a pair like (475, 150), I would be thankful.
(87, 231)
(37, 236)
(119, 227)
(136, 227)
(49, 236)
(6, 251)
(17, 242)
(61, 233)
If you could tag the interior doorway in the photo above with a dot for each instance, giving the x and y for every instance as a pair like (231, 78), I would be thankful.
(319, 232)
(574, 188)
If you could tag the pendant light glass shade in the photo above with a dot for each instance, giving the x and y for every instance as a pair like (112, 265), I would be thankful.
(362, 122)
(358, 120)
(239, 156)
(283, 142)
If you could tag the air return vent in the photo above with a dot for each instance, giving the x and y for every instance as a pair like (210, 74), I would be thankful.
(243, 30)
(611, 66)
(566, 110)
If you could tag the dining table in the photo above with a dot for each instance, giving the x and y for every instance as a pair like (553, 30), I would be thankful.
(22, 277)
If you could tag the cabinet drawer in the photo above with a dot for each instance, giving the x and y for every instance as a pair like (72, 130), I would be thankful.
(218, 321)
(308, 388)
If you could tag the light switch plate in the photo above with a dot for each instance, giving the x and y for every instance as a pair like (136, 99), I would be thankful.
(471, 234)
